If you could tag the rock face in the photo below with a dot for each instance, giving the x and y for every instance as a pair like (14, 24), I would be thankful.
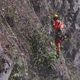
(25, 27)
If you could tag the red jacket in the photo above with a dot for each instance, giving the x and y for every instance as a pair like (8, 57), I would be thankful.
(58, 25)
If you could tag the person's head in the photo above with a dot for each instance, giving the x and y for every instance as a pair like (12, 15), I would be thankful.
(56, 17)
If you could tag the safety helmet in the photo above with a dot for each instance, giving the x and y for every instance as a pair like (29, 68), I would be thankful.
(56, 16)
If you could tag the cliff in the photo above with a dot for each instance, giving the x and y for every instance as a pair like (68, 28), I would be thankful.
(25, 37)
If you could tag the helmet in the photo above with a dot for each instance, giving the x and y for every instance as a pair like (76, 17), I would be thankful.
(56, 16)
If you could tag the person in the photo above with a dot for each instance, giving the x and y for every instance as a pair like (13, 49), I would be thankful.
(58, 26)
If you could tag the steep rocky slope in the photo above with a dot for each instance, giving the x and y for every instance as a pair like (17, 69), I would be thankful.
(25, 27)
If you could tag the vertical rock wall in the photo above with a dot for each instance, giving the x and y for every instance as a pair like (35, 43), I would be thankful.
(21, 21)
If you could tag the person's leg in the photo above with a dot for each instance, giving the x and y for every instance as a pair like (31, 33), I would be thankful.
(58, 47)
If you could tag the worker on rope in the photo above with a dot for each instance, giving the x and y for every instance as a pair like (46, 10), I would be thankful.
(58, 26)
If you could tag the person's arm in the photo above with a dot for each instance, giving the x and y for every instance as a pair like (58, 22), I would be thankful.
(62, 28)
(51, 22)
(62, 25)
(52, 27)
